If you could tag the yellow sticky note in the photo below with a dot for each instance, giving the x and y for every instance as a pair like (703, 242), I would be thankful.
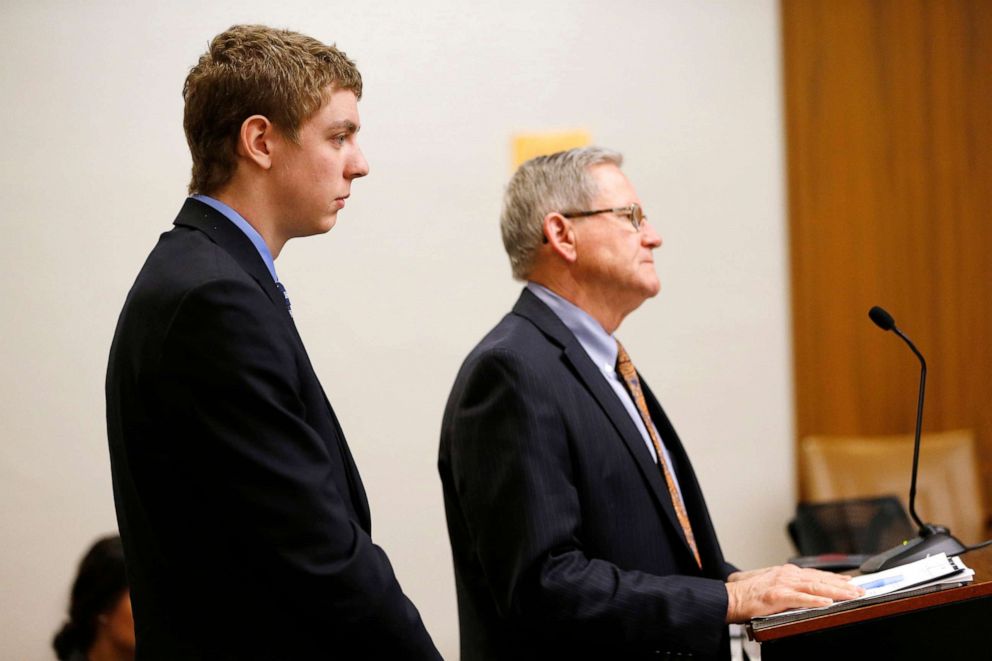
(528, 145)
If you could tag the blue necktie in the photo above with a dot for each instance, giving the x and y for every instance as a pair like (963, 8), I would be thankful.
(289, 306)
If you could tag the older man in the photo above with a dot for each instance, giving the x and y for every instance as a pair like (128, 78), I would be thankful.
(245, 524)
(577, 525)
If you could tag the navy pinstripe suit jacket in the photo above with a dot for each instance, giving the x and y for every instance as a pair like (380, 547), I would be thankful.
(563, 533)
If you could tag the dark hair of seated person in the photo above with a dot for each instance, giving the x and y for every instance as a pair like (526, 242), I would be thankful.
(99, 625)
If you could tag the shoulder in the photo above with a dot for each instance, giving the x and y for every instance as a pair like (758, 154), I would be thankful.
(185, 257)
(516, 358)
(515, 339)
(186, 265)
(191, 291)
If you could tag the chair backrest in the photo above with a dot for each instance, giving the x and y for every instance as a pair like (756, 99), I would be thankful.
(948, 489)
(857, 526)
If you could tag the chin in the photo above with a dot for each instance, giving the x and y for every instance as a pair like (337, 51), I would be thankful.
(326, 224)
(651, 289)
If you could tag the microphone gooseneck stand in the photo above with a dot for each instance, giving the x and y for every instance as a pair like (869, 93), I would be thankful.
(931, 538)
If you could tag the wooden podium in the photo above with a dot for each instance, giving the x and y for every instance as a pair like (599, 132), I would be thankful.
(947, 625)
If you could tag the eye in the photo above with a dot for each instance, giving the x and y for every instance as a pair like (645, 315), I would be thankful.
(339, 139)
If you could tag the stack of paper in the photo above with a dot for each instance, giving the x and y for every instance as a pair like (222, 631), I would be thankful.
(931, 573)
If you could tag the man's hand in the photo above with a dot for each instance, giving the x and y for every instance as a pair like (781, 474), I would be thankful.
(775, 589)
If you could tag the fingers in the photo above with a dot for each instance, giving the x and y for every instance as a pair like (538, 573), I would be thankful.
(831, 578)
(835, 592)
(821, 584)
(775, 589)
(802, 600)
(834, 586)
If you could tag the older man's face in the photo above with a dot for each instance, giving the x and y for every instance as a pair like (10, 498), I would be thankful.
(614, 260)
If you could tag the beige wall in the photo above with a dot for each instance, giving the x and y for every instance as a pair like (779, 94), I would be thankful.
(95, 167)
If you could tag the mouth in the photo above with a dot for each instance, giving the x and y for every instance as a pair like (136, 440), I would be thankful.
(340, 200)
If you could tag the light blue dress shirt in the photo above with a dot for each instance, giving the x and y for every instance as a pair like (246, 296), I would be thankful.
(602, 349)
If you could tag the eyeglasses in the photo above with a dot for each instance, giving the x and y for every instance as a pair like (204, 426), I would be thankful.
(634, 213)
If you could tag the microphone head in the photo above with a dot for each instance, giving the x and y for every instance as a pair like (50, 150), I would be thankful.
(882, 318)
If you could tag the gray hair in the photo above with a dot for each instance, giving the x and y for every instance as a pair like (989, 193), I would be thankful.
(557, 182)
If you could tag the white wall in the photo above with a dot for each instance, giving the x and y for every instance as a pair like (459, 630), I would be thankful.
(95, 167)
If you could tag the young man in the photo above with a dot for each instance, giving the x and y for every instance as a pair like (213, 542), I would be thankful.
(245, 523)
(577, 525)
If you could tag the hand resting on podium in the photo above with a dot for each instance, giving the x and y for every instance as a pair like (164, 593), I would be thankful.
(775, 589)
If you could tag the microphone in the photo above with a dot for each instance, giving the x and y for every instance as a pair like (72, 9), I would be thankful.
(931, 539)
(883, 319)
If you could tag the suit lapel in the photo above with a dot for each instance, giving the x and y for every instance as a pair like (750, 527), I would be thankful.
(692, 495)
(531, 308)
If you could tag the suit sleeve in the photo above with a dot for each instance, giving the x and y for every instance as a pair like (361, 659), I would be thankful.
(511, 466)
(230, 383)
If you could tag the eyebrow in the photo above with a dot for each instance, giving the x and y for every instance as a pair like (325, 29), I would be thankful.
(346, 124)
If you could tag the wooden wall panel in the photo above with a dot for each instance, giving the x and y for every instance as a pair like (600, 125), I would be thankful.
(889, 139)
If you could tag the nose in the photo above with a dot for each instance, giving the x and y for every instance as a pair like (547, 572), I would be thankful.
(357, 165)
(649, 237)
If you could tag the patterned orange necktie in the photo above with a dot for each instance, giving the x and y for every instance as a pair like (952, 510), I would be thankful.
(626, 370)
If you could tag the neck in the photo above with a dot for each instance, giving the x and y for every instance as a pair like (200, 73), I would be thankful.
(601, 306)
(253, 207)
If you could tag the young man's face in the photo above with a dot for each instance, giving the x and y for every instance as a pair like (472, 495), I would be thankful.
(313, 178)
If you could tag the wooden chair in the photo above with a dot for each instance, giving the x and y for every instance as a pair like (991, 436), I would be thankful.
(947, 490)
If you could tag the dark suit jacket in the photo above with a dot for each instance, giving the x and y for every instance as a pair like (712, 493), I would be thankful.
(244, 520)
(564, 536)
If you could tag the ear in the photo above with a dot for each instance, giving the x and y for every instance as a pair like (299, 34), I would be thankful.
(256, 139)
(560, 236)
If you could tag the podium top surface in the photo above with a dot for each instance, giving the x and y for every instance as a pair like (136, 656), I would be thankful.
(980, 561)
